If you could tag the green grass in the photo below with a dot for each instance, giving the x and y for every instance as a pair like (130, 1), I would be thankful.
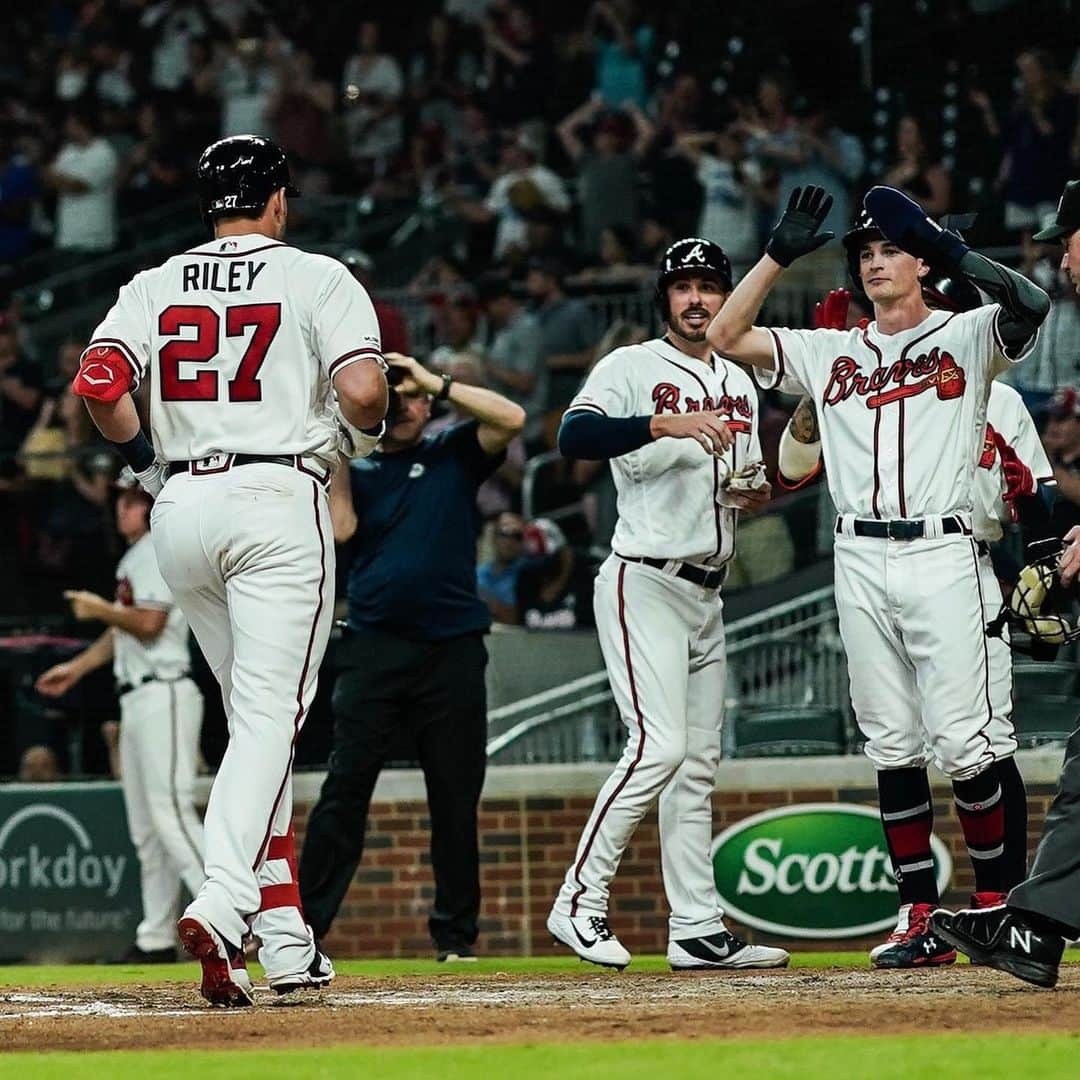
(104, 974)
(911, 1058)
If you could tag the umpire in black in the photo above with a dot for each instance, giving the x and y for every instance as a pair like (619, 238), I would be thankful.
(413, 658)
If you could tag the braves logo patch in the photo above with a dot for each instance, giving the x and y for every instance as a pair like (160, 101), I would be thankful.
(935, 370)
(735, 411)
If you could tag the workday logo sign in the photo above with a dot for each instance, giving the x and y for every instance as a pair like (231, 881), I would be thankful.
(65, 861)
(816, 870)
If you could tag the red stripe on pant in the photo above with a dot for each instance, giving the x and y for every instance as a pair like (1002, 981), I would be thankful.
(640, 749)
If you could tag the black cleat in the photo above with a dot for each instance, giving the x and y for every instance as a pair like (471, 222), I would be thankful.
(912, 944)
(456, 954)
(999, 938)
(137, 957)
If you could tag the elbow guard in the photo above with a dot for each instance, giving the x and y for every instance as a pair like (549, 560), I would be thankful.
(799, 462)
(105, 374)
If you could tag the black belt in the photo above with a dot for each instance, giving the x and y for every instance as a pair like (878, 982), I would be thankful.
(239, 459)
(900, 529)
(707, 579)
(126, 687)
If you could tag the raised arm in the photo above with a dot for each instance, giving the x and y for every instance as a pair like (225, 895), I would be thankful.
(732, 332)
(1024, 305)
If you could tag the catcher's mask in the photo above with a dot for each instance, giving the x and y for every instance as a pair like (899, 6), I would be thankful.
(1037, 602)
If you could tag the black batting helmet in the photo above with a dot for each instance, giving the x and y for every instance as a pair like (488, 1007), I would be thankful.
(939, 290)
(862, 232)
(691, 256)
(238, 174)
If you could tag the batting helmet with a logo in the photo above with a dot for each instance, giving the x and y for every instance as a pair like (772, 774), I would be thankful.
(238, 174)
(691, 257)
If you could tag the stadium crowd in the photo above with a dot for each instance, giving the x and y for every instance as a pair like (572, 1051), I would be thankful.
(568, 145)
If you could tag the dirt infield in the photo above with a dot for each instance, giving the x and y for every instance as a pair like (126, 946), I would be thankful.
(513, 1008)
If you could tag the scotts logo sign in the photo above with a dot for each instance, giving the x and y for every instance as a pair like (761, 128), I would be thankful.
(69, 864)
(816, 870)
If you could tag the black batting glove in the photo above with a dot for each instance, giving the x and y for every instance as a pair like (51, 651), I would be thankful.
(796, 233)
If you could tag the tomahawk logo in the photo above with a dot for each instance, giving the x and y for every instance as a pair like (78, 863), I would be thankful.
(76, 865)
(1020, 939)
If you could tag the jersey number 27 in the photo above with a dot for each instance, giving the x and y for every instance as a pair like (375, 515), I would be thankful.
(205, 345)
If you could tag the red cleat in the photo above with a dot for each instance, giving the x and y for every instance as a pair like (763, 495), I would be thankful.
(225, 980)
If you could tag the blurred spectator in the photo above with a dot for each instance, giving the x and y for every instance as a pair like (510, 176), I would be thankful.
(515, 354)
(676, 193)
(916, 172)
(623, 45)
(20, 393)
(457, 322)
(302, 113)
(197, 107)
(554, 591)
(442, 70)
(524, 188)
(154, 172)
(470, 12)
(84, 176)
(656, 237)
(1040, 143)
(170, 25)
(518, 64)
(568, 330)
(618, 267)
(826, 157)
(112, 81)
(392, 325)
(1061, 439)
(18, 193)
(247, 84)
(497, 579)
(72, 76)
(74, 538)
(607, 162)
(442, 277)
(372, 86)
(731, 185)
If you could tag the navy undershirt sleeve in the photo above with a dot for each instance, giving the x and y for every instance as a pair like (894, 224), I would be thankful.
(587, 436)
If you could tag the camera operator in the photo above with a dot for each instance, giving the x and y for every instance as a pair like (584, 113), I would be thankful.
(412, 662)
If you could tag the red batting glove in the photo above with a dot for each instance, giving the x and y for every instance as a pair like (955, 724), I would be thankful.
(1019, 479)
(832, 312)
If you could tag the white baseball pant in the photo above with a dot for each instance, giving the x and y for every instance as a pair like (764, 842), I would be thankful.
(926, 681)
(159, 752)
(663, 644)
(249, 556)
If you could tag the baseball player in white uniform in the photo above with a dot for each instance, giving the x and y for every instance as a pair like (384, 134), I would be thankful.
(160, 718)
(901, 406)
(265, 364)
(1011, 483)
(679, 425)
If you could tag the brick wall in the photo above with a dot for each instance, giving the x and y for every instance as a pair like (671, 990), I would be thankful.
(528, 840)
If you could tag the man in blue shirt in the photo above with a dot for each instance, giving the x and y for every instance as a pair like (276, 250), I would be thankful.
(412, 663)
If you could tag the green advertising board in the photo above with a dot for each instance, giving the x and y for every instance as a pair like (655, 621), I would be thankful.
(69, 876)
(815, 870)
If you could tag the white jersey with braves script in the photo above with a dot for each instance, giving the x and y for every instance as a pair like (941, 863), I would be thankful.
(139, 584)
(241, 338)
(902, 415)
(1006, 415)
(669, 490)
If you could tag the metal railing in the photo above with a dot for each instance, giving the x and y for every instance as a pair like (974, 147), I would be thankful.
(787, 655)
